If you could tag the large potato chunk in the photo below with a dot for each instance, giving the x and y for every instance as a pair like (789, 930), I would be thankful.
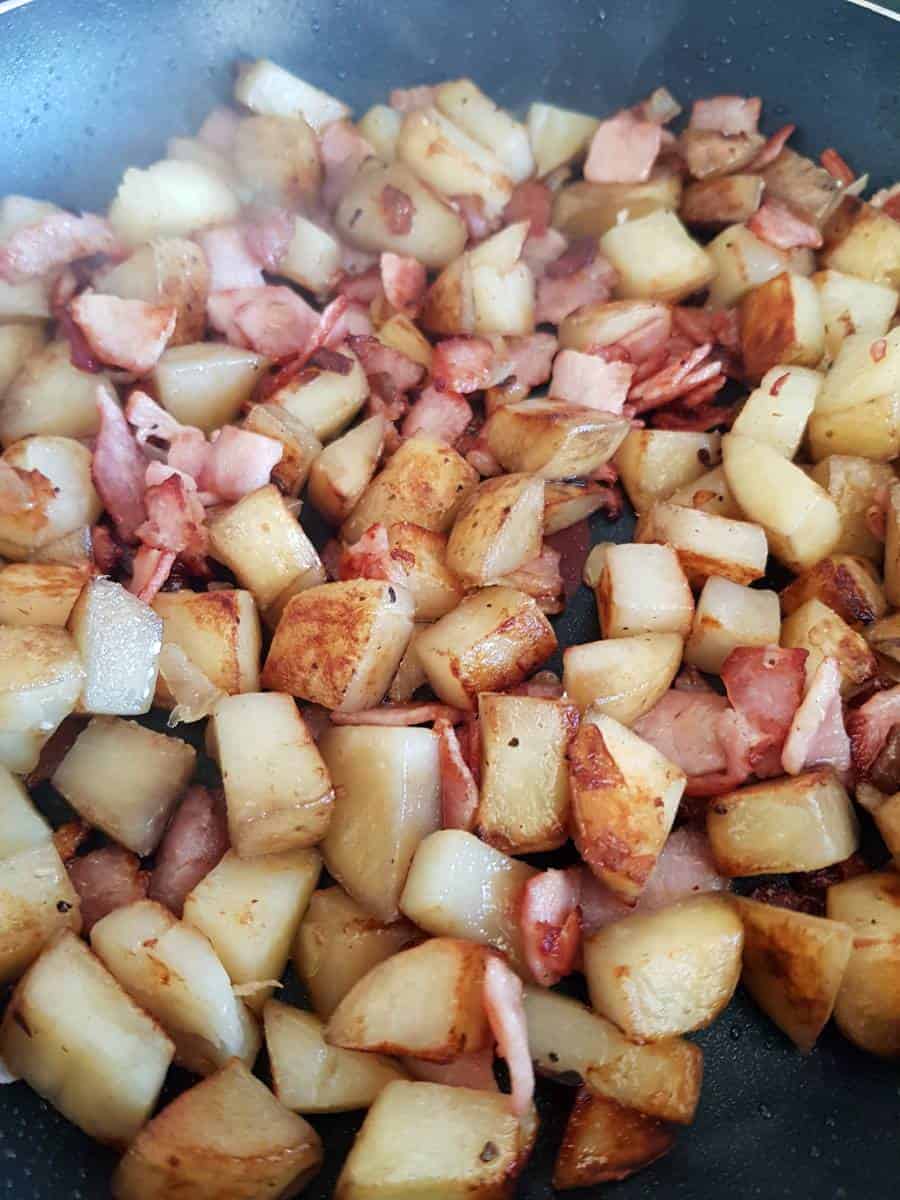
(343, 470)
(852, 305)
(206, 383)
(710, 493)
(781, 323)
(325, 401)
(819, 630)
(338, 942)
(869, 430)
(478, 116)
(264, 87)
(865, 370)
(569, 1042)
(553, 439)
(524, 804)
(668, 972)
(604, 1142)
(20, 343)
(432, 1142)
(656, 258)
(40, 593)
(625, 795)
(422, 554)
(299, 445)
(744, 261)
(448, 1018)
(498, 528)
(125, 779)
(339, 644)
(729, 615)
(586, 209)
(51, 396)
(80, 1041)
(452, 162)
(460, 887)
(279, 159)
(41, 678)
(778, 410)
(706, 544)
(119, 638)
(793, 966)
(643, 589)
(172, 971)
(566, 504)
(277, 789)
(654, 463)
(226, 1136)
(861, 240)
(557, 135)
(170, 271)
(170, 199)
(493, 640)
(799, 823)
(218, 631)
(63, 502)
(622, 677)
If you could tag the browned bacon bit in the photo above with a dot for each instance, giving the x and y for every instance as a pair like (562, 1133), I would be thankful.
(80, 353)
(378, 359)
(701, 393)
(581, 253)
(776, 224)
(550, 923)
(404, 281)
(696, 420)
(836, 165)
(331, 360)
(532, 202)
(573, 545)
(398, 210)
(772, 148)
(782, 895)
(267, 235)
(67, 838)
(878, 350)
(459, 789)
(118, 469)
(54, 241)
(779, 384)
(362, 288)
(150, 570)
(462, 364)
(195, 840)
(370, 558)
(443, 415)
(105, 880)
(671, 382)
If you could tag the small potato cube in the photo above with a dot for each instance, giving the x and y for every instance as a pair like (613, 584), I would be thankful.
(798, 823)
(777, 412)
(448, 1018)
(339, 645)
(861, 240)
(498, 528)
(410, 675)
(654, 463)
(557, 135)
(400, 332)
(656, 258)
(262, 541)
(218, 631)
(50, 396)
(20, 343)
(793, 966)
(864, 370)
(452, 162)
(743, 262)
(170, 271)
(387, 799)
(433, 1142)
(119, 638)
(425, 482)
(25, 302)
(625, 795)
(846, 584)
(225, 1136)
(478, 116)
(22, 827)
(313, 256)
(40, 593)
(781, 323)
(206, 383)
(325, 401)
(170, 199)
(277, 788)
(664, 973)
(585, 209)
(422, 553)
(125, 779)
(853, 305)
(604, 1142)
(870, 431)
(309, 1075)
(706, 544)
(493, 640)
(83, 1044)
(250, 908)
(643, 589)
(299, 446)
(553, 439)
(710, 493)
(343, 470)
(264, 87)
(819, 630)
(524, 804)
(729, 615)
(64, 501)
(566, 504)
(622, 677)
(338, 942)
(41, 678)
(380, 125)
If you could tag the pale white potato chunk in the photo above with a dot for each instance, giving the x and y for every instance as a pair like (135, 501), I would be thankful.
(591, 209)
(781, 323)
(778, 410)
(654, 463)
(20, 343)
(730, 615)
(861, 240)
(452, 162)
(37, 900)
(218, 631)
(40, 593)
(643, 589)
(498, 528)
(170, 271)
(299, 445)
(743, 262)
(25, 301)
(869, 430)
(622, 677)
(325, 401)
(170, 199)
(566, 504)
(343, 470)
(206, 383)
(557, 135)
(399, 332)
(478, 116)
(278, 159)
(313, 257)
(551, 438)
(605, 1142)
(119, 638)
(65, 500)
(380, 126)
(264, 87)
(819, 630)
(710, 493)
(41, 678)
(865, 369)
(656, 258)
(853, 305)
(705, 543)
(49, 395)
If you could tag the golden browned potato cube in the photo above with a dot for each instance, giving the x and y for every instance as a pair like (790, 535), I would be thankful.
(819, 630)
(499, 527)
(50, 396)
(656, 258)
(622, 677)
(40, 593)
(744, 261)
(846, 584)
(343, 470)
(778, 410)
(566, 504)
(604, 1142)
(586, 209)
(447, 159)
(225, 1136)
(64, 501)
(798, 823)
(654, 463)
(422, 553)
(861, 240)
(730, 615)
(206, 384)
(326, 401)
(721, 201)
(865, 369)
(387, 799)
(706, 544)
(793, 966)
(553, 439)
(781, 323)
(299, 445)
(524, 805)
(853, 305)
(491, 641)
(81, 1042)
(218, 631)
(170, 271)
(643, 589)
(870, 430)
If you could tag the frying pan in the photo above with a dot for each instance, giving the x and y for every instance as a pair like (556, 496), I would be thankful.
(90, 86)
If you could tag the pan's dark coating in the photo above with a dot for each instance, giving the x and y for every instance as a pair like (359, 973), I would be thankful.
(90, 86)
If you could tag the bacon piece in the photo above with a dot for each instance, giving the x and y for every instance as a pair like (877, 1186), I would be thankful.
(696, 420)
(442, 415)
(59, 238)
(623, 150)
(591, 382)
(267, 235)
(118, 469)
(352, 321)
(539, 252)
(274, 321)
(580, 254)
(478, 224)
(673, 380)
(80, 353)
(683, 727)
(778, 225)
(836, 165)
(150, 569)
(765, 684)
(362, 288)
(194, 842)
(532, 202)
(550, 923)
(543, 686)
(238, 463)
(528, 360)
(771, 149)
(541, 579)
(344, 150)
(869, 726)
(404, 280)
(558, 296)
(370, 558)
(378, 359)
(400, 715)
(459, 791)
(470, 745)
(150, 419)
(407, 100)
(646, 343)
(175, 516)
(473, 1070)
(462, 364)
(105, 880)
(572, 544)
(219, 129)
(231, 265)
(817, 734)
(730, 115)
(701, 325)
(128, 334)
(506, 1016)
(398, 210)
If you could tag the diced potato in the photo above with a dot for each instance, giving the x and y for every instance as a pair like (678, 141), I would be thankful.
(299, 445)
(343, 470)
(186, 149)
(656, 258)
(448, 1018)
(477, 115)
(79, 1040)
(206, 383)
(422, 553)
(797, 823)
(566, 504)
(864, 370)
(604, 1141)
(819, 630)
(172, 971)
(49, 395)
(218, 631)
(669, 972)
(125, 779)
(846, 584)
(338, 942)
(885, 812)
(653, 463)
(553, 439)
(498, 528)
(591, 209)
(387, 799)
(724, 200)
(41, 678)
(262, 541)
(491, 641)
(853, 305)
(401, 333)
(264, 87)
(793, 966)
(643, 589)
(625, 795)
(25, 301)
(781, 324)
(707, 154)
(425, 482)
(706, 544)
(250, 908)
(313, 257)
(861, 240)
(606, 322)
(170, 199)
(380, 126)
(20, 752)
(800, 518)
(40, 593)
(37, 900)
(557, 135)
(227, 1136)
(436, 234)
(452, 162)
(119, 638)
(622, 677)
(278, 158)
(892, 549)
(171, 271)
(710, 493)
(778, 410)
(309, 1075)
(22, 827)
(433, 1142)
(730, 615)
(524, 805)
(487, 291)
(743, 262)
(460, 887)
(573, 1044)
(325, 401)
(20, 343)
(65, 500)
(870, 430)
(339, 644)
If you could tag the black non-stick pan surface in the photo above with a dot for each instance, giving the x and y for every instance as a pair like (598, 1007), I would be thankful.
(90, 86)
